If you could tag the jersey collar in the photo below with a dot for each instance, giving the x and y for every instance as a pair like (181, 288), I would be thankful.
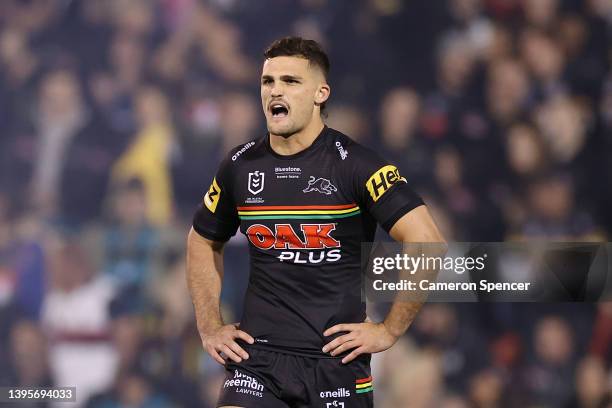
(318, 141)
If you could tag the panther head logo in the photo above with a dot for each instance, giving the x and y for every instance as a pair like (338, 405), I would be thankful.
(320, 184)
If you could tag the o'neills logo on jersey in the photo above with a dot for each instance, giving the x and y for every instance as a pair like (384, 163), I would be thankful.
(311, 237)
(341, 150)
(244, 149)
(382, 180)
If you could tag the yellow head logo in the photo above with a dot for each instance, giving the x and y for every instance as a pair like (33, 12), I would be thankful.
(382, 180)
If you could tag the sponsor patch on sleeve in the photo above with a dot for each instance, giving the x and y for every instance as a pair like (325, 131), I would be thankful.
(211, 198)
(382, 180)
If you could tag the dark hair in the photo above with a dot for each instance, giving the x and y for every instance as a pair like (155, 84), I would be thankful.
(300, 47)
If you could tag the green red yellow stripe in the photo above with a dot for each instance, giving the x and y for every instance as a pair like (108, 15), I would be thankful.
(363, 385)
(293, 207)
(298, 212)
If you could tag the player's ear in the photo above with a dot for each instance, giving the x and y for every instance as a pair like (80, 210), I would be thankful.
(322, 93)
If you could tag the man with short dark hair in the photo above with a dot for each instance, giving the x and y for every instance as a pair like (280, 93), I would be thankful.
(306, 197)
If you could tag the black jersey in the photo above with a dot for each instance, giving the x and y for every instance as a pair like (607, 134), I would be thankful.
(305, 216)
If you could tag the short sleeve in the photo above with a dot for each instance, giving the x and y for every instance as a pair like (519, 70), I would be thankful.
(217, 218)
(381, 189)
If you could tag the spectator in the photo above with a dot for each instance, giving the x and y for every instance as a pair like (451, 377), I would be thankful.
(22, 262)
(66, 166)
(348, 118)
(540, 14)
(591, 384)
(549, 378)
(507, 91)
(29, 355)
(239, 119)
(553, 213)
(486, 390)
(454, 401)
(527, 153)
(403, 143)
(132, 390)
(149, 155)
(130, 243)
(75, 316)
(418, 383)
(438, 328)
(601, 340)
(544, 58)
(564, 127)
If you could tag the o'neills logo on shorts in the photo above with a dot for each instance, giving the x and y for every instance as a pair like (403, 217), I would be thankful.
(339, 393)
(245, 384)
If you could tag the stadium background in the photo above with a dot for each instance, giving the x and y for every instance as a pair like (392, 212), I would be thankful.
(115, 113)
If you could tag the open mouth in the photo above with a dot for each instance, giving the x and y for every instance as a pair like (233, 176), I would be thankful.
(279, 110)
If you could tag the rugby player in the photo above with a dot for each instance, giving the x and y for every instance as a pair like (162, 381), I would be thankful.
(306, 196)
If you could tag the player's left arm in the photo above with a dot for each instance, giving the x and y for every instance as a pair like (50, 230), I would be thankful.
(416, 226)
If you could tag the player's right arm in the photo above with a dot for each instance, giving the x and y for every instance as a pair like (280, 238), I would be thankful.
(213, 224)
(204, 278)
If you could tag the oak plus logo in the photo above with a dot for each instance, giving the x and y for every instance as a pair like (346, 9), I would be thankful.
(256, 182)
(312, 245)
(320, 184)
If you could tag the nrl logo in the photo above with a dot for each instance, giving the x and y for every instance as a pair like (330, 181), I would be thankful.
(256, 182)
(320, 184)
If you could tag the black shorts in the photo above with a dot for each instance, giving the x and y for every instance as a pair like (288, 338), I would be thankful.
(277, 380)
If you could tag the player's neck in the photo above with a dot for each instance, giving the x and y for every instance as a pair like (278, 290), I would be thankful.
(298, 141)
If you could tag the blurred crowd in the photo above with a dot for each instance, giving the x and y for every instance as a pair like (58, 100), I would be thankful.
(114, 115)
